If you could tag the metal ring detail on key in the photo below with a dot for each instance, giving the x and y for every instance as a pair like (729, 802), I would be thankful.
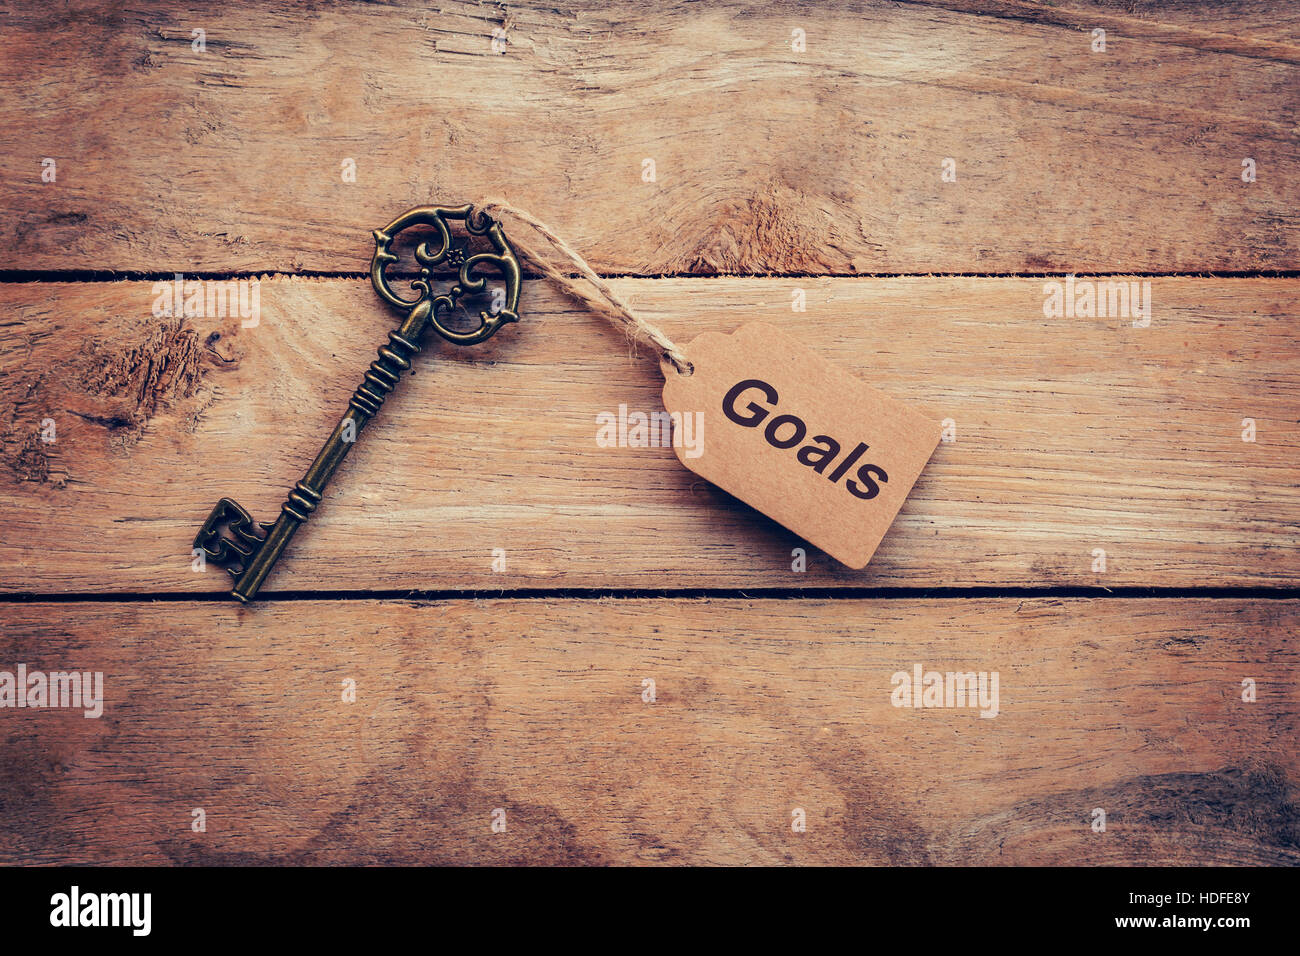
(445, 249)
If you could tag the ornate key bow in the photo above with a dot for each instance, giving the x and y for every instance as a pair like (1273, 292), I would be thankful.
(249, 555)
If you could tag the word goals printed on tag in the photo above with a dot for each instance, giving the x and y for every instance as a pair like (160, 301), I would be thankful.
(800, 439)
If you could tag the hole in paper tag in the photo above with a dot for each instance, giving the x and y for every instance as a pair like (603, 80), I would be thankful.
(800, 439)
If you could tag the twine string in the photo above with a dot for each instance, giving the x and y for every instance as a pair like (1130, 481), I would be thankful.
(608, 303)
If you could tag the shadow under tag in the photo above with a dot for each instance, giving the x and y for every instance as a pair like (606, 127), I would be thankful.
(800, 439)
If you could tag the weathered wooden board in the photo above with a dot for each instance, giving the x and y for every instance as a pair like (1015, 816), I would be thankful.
(767, 160)
(1133, 707)
(1071, 435)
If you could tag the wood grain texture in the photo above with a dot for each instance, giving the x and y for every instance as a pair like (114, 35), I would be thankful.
(1072, 435)
(767, 160)
(1132, 706)
(119, 430)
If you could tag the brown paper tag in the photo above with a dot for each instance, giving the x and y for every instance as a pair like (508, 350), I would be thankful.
(803, 441)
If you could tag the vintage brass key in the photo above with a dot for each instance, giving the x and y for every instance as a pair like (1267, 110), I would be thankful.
(249, 555)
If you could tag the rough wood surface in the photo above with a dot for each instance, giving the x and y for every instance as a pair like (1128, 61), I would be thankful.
(1071, 435)
(119, 430)
(762, 707)
(826, 161)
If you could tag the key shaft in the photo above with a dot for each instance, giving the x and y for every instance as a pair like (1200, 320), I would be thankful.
(380, 379)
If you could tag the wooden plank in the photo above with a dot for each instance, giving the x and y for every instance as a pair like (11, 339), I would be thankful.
(767, 160)
(761, 707)
(1072, 434)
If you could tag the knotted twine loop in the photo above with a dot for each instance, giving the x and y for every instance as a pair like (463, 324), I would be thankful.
(611, 306)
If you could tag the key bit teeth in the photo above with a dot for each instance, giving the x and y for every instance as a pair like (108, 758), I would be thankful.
(242, 540)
